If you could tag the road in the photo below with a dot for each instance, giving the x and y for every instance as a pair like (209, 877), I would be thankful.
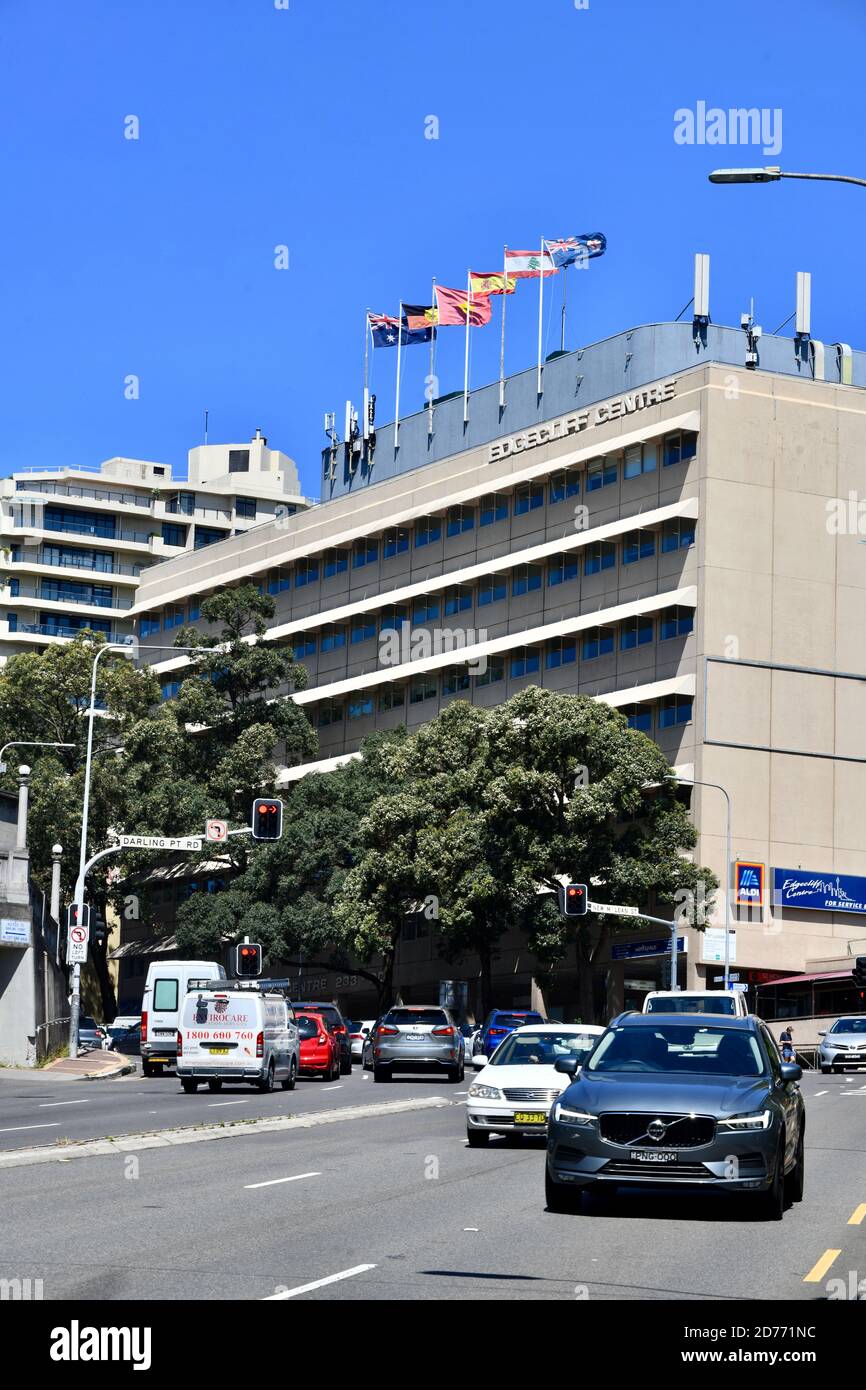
(395, 1206)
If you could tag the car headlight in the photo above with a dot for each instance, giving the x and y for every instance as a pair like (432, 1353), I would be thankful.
(564, 1116)
(757, 1119)
(485, 1093)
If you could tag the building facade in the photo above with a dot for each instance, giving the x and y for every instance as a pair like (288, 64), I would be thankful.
(663, 528)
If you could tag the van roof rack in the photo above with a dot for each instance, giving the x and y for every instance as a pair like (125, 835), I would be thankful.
(264, 986)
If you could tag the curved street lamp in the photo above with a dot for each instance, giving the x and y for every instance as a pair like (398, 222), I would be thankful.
(772, 173)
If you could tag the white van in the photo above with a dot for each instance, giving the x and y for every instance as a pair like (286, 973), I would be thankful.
(164, 991)
(237, 1035)
(696, 1001)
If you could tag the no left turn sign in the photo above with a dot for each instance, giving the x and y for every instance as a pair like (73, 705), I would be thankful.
(216, 830)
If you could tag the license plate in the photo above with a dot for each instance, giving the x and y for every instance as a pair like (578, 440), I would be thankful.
(654, 1155)
(530, 1117)
(415, 1037)
(218, 1051)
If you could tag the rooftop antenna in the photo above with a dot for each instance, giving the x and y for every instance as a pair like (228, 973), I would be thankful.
(205, 426)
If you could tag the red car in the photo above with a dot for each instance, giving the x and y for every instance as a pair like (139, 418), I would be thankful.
(320, 1047)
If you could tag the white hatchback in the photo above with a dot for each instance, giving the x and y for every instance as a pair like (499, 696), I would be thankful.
(516, 1087)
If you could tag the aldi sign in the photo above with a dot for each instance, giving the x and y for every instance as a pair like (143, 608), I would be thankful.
(819, 892)
(748, 883)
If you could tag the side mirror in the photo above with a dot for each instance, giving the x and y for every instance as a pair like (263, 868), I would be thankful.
(791, 1071)
(569, 1066)
(478, 1061)
(822, 1032)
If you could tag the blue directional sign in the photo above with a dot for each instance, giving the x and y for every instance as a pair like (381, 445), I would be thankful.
(637, 950)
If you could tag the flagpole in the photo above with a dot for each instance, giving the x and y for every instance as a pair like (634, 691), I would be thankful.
(502, 340)
(564, 300)
(366, 429)
(538, 386)
(466, 358)
(432, 360)
(397, 400)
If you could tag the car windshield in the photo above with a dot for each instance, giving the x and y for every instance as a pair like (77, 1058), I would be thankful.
(717, 1003)
(529, 1049)
(679, 1049)
(403, 1018)
(849, 1025)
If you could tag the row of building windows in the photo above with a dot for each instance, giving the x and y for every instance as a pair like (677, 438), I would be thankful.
(170, 618)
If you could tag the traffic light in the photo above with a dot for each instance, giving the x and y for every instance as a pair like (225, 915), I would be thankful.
(248, 960)
(574, 900)
(98, 929)
(74, 918)
(267, 818)
(859, 972)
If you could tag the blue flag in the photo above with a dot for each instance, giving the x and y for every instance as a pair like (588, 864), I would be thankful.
(576, 248)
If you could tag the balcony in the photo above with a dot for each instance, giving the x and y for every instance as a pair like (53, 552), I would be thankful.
(58, 630)
(51, 489)
(84, 563)
(89, 528)
(42, 594)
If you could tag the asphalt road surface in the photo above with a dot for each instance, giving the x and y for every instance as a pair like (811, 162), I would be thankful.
(395, 1206)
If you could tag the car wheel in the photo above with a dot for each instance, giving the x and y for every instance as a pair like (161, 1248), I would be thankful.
(825, 1071)
(214, 1085)
(267, 1082)
(558, 1197)
(773, 1200)
(796, 1178)
(345, 1066)
(477, 1138)
(336, 1071)
(288, 1082)
(381, 1074)
(454, 1075)
(189, 1086)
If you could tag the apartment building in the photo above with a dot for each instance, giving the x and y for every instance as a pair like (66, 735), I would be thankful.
(75, 541)
(661, 528)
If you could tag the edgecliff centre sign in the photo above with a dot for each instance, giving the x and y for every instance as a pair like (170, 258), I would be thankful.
(628, 404)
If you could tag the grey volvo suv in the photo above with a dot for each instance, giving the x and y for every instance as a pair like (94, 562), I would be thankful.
(675, 1102)
(417, 1037)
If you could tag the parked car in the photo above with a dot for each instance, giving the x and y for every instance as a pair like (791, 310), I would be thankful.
(843, 1045)
(704, 1102)
(124, 1036)
(517, 1086)
(320, 1050)
(339, 1026)
(358, 1030)
(237, 1035)
(90, 1033)
(164, 992)
(420, 1038)
(367, 1049)
(498, 1024)
(696, 1001)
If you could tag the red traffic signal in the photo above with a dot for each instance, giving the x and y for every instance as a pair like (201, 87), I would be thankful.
(575, 900)
(76, 917)
(248, 960)
(267, 818)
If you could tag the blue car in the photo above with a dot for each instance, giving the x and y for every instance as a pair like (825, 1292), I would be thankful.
(498, 1024)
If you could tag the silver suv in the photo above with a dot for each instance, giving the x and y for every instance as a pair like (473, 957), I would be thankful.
(418, 1037)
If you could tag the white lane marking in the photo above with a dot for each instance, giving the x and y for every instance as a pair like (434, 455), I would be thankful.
(318, 1283)
(47, 1104)
(820, 1093)
(212, 1104)
(14, 1128)
(248, 1186)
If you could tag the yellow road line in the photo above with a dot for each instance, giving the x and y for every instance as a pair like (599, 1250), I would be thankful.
(817, 1272)
(859, 1213)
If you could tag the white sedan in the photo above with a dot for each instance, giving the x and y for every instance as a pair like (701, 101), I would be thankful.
(516, 1087)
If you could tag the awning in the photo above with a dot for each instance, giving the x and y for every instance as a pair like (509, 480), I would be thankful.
(807, 979)
(146, 946)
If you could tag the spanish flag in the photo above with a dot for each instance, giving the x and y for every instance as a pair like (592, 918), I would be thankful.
(497, 283)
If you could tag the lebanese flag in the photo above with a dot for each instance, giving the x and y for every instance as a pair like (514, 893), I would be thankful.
(453, 305)
(528, 265)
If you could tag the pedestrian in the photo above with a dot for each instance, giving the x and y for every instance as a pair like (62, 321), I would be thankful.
(786, 1041)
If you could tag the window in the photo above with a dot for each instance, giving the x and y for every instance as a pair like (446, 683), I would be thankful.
(490, 590)
(564, 485)
(164, 996)
(208, 535)
(306, 572)
(680, 446)
(635, 632)
(598, 642)
(336, 561)
(245, 508)
(525, 662)
(363, 628)
(495, 671)
(279, 581)
(149, 625)
(493, 508)
(170, 690)
(182, 503)
(678, 534)
(70, 591)
(528, 498)
(677, 622)
(79, 523)
(526, 578)
(457, 600)
(676, 709)
(396, 541)
(455, 680)
(422, 688)
(304, 645)
(561, 652)
(601, 555)
(639, 458)
(366, 552)
(425, 610)
(330, 712)
(460, 519)
(638, 545)
(15, 589)
(12, 620)
(428, 530)
(391, 697)
(639, 717)
(600, 473)
(332, 639)
(172, 534)
(239, 460)
(392, 617)
(173, 618)
(562, 569)
(360, 706)
(71, 557)
(194, 611)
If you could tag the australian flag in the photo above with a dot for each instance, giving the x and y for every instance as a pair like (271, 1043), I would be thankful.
(576, 249)
(386, 331)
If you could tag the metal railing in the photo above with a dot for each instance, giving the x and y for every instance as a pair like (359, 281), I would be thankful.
(93, 494)
(58, 630)
(82, 564)
(83, 528)
(41, 595)
(51, 1037)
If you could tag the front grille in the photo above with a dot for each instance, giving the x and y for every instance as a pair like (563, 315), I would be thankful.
(548, 1097)
(682, 1132)
(664, 1172)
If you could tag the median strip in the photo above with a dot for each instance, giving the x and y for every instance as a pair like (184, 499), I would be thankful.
(195, 1134)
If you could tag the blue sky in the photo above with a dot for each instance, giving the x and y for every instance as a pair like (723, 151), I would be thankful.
(305, 127)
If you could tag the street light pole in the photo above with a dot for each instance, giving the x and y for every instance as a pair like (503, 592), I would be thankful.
(29, 743)
(692, 782)
(772, 173)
